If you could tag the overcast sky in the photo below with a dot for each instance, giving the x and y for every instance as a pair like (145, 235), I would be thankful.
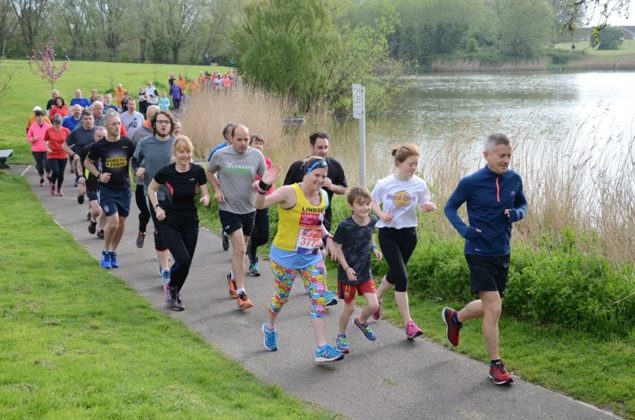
(616, 20)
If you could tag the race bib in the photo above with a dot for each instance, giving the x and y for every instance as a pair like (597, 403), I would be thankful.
(310, 233)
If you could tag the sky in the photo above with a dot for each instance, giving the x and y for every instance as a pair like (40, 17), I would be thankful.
(616, 20)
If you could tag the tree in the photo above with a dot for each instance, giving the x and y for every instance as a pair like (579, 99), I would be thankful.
(42, 63)
(74, 16)
(588, 8)
(526, 27)
(609, 38)
(32, 17)
(8, 24)
(295, 48)
(6, 78)
(181, 17)
(112, 24)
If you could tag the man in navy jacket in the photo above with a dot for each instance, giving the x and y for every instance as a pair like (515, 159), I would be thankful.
(495, 199)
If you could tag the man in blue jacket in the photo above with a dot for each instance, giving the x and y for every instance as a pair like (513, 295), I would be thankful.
(495, 199)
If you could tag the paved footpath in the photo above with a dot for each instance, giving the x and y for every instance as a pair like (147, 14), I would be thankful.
(389, 378)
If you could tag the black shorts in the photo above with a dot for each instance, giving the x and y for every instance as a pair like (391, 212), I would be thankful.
(488, 274)
(232, 222)
(92, 188)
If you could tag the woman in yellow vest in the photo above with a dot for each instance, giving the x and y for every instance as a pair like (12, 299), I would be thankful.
(295, 250)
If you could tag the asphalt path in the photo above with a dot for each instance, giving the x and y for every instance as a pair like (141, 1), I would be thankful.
(389, 378)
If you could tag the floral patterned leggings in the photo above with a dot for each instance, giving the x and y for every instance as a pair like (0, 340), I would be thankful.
(314, 279)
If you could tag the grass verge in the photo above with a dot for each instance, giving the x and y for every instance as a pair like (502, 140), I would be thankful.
(78, 342)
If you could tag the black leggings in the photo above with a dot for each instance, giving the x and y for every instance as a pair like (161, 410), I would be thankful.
(142, 205)
(57, 171)
(397, 245)
(181, 241)
(259, 235)
(41, 164)
(159, 244)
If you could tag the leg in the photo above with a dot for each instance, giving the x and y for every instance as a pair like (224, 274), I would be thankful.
(314, 278)
(372, 304)
(60, 177)
(283, 281)
(492, 308)
(163, 255)
(345, 316)
(239, 247)
(144, 212)
(110, 232)
(181, 243)
(54, 167)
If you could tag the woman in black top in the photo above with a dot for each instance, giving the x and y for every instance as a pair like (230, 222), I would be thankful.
(177, 214)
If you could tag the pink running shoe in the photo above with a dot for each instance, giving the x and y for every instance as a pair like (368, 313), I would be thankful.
(412, 331)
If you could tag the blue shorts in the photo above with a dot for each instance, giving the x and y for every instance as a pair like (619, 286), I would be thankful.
(114, 200)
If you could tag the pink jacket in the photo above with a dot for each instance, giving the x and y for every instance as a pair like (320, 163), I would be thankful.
(35, 136)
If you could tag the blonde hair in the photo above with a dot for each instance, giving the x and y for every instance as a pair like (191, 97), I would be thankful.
(182, 141)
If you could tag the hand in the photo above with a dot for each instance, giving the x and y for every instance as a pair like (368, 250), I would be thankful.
(331, 249)
(378, 254)
(428, 207)
(76, 157)
(270, 175)
(104, 177)
(328, 184)
(160, 213)
(351, 274)
(140, 172)
(386, 217)
(205, 200)
(220, 198)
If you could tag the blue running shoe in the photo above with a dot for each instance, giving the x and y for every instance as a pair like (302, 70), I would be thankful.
(165, 276)
(331, 298)
(105, 260)
(368, 332)
(327, 353)
(271, 338)
(113, 260)
(341, 343)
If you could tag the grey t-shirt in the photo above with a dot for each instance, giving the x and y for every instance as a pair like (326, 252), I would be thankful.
(155, 154)
(236, 173)
(131, 121)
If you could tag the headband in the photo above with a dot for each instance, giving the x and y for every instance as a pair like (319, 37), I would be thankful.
(318, 163)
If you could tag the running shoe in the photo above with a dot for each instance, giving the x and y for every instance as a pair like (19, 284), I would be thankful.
(165, 276)
(270, 340)
(88, 217)
(451, 329)
(105, 260)
(341, 343)
(60, 193)
(92, 227)
(377, 313)
(113, 260)
(368, 332)
(225, 240)
(244, 302)
(141, 237)
(499, 375)
(173, 300)
(232, 286)
(80, 199)
(327, 353)
(41, 182)
(254, 270)
(331, 298)
(412, 331)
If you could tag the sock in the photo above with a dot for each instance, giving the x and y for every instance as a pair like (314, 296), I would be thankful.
(342, 335)
(455, 319)
(241, 290)
(495, 362)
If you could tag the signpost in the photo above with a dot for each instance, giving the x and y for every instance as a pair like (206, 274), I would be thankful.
(359, 113)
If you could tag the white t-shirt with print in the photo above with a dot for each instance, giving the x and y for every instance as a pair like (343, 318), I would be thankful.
(401, 199)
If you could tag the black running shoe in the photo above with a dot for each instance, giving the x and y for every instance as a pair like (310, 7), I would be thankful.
(100, 234)
(80, 199)
(92, 227)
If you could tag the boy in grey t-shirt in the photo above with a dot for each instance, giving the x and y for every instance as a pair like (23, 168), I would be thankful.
(232, 173)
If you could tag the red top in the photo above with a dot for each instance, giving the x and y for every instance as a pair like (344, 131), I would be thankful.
(63, 111)
(55, 139)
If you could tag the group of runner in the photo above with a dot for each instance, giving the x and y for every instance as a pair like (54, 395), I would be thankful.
(243, 180)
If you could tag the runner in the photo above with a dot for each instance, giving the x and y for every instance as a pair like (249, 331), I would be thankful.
(55, 155)
(395, 201)
(354, 242)
(495, 199)
(35, 136)
(77, 141)
(177, 215)
(155, 152)
(114, 154)
(237, 167)
(295, 250)
(95, 212)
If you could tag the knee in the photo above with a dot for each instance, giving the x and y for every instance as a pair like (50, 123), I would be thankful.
(492, 309)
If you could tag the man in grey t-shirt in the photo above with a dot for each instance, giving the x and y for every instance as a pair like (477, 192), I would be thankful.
(155, 152)
(232, 173)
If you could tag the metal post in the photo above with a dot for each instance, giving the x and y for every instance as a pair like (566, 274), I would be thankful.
(362, 142)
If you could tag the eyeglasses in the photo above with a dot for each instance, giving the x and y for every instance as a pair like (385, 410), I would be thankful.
(163, 122)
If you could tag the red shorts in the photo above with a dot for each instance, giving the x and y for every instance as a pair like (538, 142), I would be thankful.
(348, 291)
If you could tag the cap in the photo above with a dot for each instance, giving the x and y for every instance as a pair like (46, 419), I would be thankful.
(36, 108)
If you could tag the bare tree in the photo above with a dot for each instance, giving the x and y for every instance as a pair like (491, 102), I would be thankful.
(8, 23)
(75, 17)
(181, 17)
(32, 17)
(112, 18)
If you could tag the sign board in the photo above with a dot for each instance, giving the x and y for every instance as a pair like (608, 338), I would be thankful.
(358, 97)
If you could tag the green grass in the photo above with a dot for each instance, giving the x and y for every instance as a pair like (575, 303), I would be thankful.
(627, 48)
(77, 342)
(28, 90)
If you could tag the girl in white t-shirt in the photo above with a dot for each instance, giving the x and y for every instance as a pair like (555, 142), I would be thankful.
(395, 200)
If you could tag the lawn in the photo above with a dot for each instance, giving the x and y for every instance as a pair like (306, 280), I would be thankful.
(627, 48)
(77, 342)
